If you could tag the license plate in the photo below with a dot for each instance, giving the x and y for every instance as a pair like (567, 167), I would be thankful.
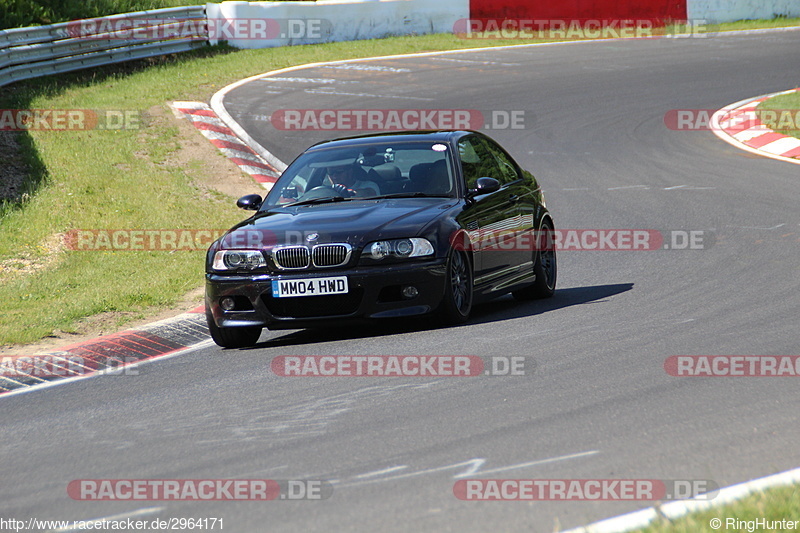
(287, 288)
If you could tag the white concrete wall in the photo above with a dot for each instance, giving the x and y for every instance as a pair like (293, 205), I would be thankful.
(716, 11)
(289, 23)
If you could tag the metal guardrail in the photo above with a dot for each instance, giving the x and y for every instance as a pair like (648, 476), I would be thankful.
(43, 50)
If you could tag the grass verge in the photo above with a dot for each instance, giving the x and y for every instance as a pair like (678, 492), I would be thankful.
(770, 507)
(777, 22)
(129, 179)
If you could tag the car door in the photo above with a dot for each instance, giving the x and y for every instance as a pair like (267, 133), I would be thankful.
(521, 191)
(493, 220)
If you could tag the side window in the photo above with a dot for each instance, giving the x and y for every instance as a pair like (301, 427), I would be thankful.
(479, 158)
(507, 168)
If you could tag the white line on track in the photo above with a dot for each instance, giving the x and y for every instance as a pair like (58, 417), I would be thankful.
(334, 92)
(465, 469)
(757, 227)
(532, 463)
(371, 68)
(302, 80)
(382, 472)
(475, 62)
(473, 466)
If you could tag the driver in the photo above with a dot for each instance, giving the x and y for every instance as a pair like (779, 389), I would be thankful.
(347, 182)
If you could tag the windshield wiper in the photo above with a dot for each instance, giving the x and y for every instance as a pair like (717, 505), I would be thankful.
(325, 200)
(407, 195)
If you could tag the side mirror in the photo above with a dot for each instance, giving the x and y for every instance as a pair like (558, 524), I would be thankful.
(251, 202)
(484, 186)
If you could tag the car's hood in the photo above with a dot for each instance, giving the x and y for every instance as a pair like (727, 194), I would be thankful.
(355, 222)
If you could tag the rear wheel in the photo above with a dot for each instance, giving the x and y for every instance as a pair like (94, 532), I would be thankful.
(457, 302)
(545, 267)
(233, 337)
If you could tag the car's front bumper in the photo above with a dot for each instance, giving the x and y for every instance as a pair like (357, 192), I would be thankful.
(374, 292)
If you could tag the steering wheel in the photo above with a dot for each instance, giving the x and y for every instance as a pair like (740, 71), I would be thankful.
(321, 191)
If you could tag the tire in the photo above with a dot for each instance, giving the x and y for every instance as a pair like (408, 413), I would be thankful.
(233, 337)
(457, 301)
(545, 267)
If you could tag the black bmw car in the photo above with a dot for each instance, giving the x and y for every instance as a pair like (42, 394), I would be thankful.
(382, 226)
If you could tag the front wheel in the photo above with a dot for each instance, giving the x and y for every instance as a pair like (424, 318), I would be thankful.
(233, 337)
(457, 302)
(544, 267)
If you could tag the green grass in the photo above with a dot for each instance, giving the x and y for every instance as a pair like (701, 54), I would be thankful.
(772, 505)
(777, 22)
(99, 179)
(786, 119)
(125, 179)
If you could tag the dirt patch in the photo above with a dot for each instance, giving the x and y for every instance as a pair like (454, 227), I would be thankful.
(209, 168)
(29, 264)
(14, 171)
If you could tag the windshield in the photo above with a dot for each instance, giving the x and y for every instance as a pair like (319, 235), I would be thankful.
(366, 171)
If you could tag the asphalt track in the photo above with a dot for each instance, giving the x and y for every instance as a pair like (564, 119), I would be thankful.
(599, 403)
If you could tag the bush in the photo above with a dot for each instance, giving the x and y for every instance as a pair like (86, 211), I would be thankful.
(21, 13)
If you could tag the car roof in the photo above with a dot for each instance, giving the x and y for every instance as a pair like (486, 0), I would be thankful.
(395, 136)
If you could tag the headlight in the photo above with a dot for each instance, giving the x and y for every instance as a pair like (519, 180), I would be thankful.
(377, 250)
(238, 260)
(399, 248)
